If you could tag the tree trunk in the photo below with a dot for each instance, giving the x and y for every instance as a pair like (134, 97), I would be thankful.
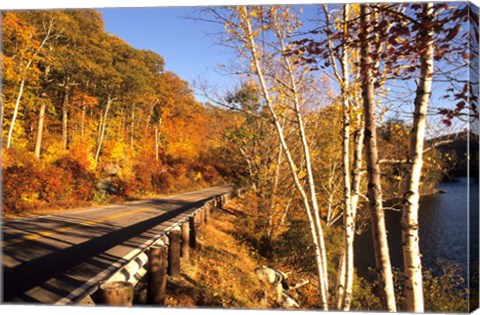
(82, 125)
(2, 110)
(382, 256)
(357, 162)
(345, 268)
(156, 143)
(102, 128)
(270, 231)
(66, 94)
(410, 239)
(41, 118)
(132, 125)
(15, 113)
(350, 224)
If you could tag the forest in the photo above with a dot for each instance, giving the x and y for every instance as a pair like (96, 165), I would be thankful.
(326, 126)
(85, 113)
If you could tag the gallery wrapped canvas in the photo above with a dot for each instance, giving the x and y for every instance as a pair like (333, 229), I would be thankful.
(300, 156)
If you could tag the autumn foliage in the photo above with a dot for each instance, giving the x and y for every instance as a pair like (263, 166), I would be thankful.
(89, 119)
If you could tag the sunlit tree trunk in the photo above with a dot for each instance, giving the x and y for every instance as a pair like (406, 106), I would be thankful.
(270, 231)
(66, 91)
(382, 256)
(15, 113)
(347, 209)
(410, 239)
(41, 118)
(132, 126)
(357, 161)
(156, 143)
(102, 128)
(350, 212)
(82, 126)
(345, 267)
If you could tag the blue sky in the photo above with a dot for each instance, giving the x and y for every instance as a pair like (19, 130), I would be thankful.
(183, 43)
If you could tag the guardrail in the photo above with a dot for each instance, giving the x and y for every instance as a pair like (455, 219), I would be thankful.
(158, 257)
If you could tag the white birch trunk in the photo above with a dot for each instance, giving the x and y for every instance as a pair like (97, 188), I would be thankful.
(38, 142)
(347, 209)
(411, 250)
(102, 128)
(15, 113)
(65, 113)
(379, 232)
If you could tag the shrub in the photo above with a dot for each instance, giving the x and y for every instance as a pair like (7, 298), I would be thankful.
(162, 180)
(21, 181)
(80, 181)
(30, 183)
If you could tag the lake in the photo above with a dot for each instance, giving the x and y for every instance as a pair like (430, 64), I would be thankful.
(444, 231)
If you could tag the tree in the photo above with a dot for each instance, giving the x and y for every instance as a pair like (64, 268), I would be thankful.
(244, 25)
(410, 238)
(382, 257)
(29, 41)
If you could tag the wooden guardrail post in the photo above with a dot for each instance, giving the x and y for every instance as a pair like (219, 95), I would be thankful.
(201, 215)
(185, 240)
(117, 293)
(193, 232)
(206, 214)
(198, 219)
(157, 274)
(174, 252)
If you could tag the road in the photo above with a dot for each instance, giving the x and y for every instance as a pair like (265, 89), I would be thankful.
(55, 259)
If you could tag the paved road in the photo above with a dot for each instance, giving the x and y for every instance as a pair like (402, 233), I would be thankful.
(54, 259)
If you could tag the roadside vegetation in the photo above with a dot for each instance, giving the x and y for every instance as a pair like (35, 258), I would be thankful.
(220, 274)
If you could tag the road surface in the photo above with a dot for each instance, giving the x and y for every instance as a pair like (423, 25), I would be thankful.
(56, 259)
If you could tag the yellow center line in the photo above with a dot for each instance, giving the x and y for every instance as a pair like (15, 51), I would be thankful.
(37, 235)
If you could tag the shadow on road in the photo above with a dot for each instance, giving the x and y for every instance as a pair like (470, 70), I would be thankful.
(62, 270)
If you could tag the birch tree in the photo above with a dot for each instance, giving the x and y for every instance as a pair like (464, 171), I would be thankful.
(410, 238)
(382, 256)
(340, 52)
(240, 27)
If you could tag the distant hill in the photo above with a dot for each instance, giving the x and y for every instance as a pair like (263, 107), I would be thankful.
(459, 143)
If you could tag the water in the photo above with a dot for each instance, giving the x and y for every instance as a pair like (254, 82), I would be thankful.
(444, 230)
